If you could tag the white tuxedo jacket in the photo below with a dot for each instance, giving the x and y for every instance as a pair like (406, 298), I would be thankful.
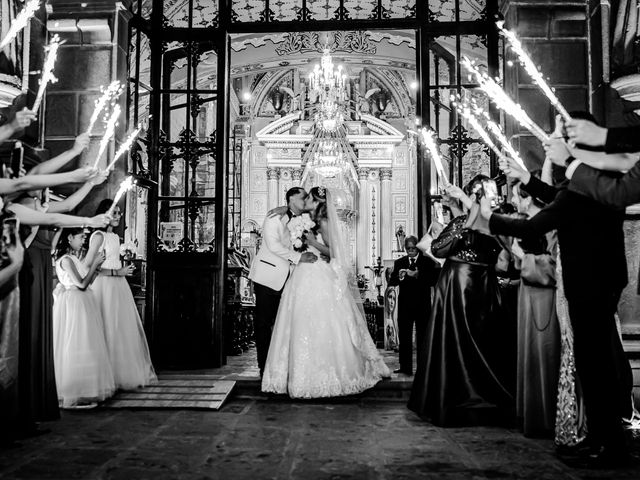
(272, 264)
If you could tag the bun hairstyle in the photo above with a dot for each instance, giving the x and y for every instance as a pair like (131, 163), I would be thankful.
(320, 195)
(62, 248)
(474, 187)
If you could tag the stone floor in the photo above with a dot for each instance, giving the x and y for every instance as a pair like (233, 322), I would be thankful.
(268, 437)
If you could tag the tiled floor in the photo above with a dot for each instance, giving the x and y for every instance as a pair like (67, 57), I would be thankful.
(245, 366)
(263, 438)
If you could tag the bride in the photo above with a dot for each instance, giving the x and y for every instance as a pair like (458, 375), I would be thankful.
(320, 345)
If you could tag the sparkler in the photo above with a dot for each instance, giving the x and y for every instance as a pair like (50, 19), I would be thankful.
(532, 70)
(502, 100)
(124, 147)
(20, 22)
(125, 186)
(109, 94)
(429, 141)
(465, 111)
(47, 71)
(111, 127)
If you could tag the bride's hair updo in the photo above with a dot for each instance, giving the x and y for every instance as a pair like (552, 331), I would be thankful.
(320, 195)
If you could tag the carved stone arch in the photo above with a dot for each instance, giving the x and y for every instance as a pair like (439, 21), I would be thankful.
(396, 97)
(250, 225)
(270, 80)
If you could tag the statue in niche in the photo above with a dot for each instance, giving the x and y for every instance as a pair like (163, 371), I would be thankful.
(362, 102)
(294, 103)
(400, 237)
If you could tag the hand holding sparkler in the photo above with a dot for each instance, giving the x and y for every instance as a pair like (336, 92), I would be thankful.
(80, 143)
(20, 22)
(47, 71)
(23, 119)
(586, 133)
(513, 169)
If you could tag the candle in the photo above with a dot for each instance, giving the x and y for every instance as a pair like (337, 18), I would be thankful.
(21, 21)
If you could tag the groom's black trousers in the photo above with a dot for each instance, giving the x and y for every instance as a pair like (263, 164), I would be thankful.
(267, 302)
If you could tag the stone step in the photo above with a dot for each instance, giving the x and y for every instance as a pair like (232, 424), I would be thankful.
(389, 390)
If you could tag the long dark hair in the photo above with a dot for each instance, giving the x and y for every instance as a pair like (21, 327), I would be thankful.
(320, 194)
(63, 247)
(470, 186)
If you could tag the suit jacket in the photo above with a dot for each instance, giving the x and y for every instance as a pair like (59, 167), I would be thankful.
(272, 264)
(622, 139)
(590, 236)
(611, 189)
(415, 290)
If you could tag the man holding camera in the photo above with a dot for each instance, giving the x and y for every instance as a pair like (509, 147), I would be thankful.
(414, 274)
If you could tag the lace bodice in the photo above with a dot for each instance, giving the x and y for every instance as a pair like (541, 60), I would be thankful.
(64, 277)
(314, 249)
(111, 247)
(465, 244)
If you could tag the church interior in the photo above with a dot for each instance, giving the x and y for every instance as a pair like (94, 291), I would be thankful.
(231, 108)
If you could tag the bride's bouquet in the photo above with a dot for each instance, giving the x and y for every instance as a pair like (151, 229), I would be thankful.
(299, 227)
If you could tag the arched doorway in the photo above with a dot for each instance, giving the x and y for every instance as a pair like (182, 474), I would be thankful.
(182, 87)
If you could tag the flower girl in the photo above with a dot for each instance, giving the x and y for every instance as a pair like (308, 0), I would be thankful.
(82, 366)
(126, 341)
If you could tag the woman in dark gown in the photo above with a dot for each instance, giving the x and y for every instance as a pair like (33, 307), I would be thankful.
(464, 378)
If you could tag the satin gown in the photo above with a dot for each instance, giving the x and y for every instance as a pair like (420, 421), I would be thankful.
(465, 377)
(37, 377)
(83, 369)
(320, 346)
(124, 333)
(538, 338)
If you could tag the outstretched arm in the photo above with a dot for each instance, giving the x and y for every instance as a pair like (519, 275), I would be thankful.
(72, 201)
(27, 216)
(56, 163)
(617, 192)
(37, 182)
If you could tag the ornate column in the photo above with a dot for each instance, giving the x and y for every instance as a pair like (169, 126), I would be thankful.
(386, 214)
(273, 197)
(363, 223)
(374, 205)
(296, 177)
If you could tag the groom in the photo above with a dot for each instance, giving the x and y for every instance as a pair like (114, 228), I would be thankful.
(271, 267)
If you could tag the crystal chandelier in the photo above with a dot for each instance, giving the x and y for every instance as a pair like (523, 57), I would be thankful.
(327, 86)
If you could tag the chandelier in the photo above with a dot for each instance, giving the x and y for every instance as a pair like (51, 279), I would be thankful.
(328, 87)
(329, 153)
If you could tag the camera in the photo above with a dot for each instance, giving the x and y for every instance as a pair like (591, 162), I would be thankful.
(10, 231)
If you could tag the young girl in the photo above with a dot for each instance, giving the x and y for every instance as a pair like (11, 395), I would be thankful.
(125, 336)
(83, 369)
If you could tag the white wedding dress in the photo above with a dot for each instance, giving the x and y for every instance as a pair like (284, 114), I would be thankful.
(320, 346)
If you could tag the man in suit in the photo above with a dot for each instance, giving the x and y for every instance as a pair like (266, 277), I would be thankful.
(594, 273)
(271, 267)
(613, 191)
(414, 274)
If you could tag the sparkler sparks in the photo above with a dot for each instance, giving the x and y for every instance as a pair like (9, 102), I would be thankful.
(124, 147)
(430, 143)
(109, 94)
(20, 22)
(111, 127)
(125, 186)
(47, 71)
